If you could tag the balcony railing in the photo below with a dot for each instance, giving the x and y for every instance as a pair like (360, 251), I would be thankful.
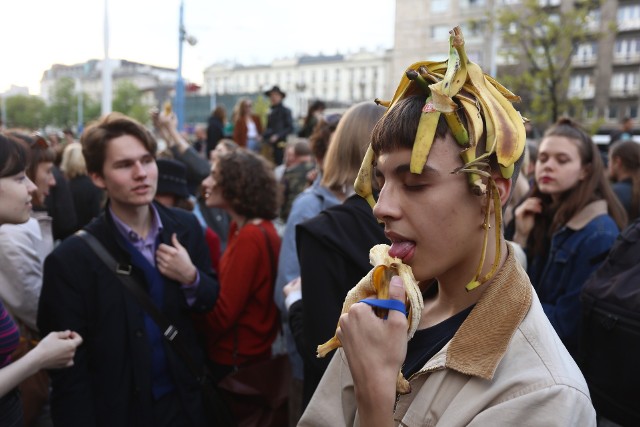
(629, 24)
(586, 92)
(625, 92)
(626, 58)
(584, 60)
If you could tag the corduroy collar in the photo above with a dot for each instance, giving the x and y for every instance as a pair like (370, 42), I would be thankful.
(482, 340)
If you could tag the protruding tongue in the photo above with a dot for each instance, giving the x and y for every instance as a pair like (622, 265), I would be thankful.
(400, 249)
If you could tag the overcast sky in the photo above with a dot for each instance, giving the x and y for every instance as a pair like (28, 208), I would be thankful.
(34, 34)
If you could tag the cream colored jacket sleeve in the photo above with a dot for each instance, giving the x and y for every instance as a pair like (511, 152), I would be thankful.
(20, 271)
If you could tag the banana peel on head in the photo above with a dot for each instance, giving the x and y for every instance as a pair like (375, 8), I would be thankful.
(376, 284)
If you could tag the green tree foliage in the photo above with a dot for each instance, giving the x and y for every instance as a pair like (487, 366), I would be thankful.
(128, 100)
(63, 109)
(24, 111)
(542, 39)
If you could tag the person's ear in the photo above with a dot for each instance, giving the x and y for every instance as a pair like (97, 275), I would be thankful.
(504, 186)
(98, 180)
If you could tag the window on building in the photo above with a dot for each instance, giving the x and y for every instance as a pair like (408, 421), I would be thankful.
(586, 51)
(632, 111)
(579, 82)
(627, 48)
(629, 17)
(440, 32)
(626, 82)
(439, 5)
(612, 112)
(472, 3)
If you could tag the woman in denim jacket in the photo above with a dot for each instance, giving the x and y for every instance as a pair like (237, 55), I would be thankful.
(568, 224)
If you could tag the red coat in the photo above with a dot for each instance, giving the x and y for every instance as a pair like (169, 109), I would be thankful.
(245, 305)
(240, 130)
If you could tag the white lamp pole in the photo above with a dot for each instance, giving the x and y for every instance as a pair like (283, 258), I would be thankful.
(106, 66)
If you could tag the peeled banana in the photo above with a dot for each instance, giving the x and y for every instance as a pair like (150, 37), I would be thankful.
(376, 283)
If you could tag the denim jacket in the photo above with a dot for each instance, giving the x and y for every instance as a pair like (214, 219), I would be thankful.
(577, 249)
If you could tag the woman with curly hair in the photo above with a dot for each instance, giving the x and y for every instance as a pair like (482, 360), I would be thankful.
(244, 322)
(567, 224)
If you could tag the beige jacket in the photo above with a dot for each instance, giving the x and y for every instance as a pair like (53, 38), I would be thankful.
(23, 248)
(505, 366)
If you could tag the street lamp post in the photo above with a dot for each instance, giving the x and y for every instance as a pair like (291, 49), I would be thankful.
(80, 106)
(183, 36)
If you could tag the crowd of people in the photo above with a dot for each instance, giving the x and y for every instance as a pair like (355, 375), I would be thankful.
(249, 237)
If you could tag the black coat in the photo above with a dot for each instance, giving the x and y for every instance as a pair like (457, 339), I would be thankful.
(333, 250)
(87, 199)
(110, 382)
(279, 122)
(60, 207)
(215, 132)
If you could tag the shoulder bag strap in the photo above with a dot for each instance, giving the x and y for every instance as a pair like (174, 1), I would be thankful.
(123, 272)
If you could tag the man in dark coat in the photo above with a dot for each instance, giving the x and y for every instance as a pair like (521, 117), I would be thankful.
(279, 124)
(126, 373)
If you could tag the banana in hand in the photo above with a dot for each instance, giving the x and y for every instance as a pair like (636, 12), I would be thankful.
(376, 283)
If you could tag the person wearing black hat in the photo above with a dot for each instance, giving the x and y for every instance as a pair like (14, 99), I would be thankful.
(173, 192)
(172, 182)
(279, 124)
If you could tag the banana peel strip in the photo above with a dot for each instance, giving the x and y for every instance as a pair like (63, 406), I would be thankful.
(366, 288)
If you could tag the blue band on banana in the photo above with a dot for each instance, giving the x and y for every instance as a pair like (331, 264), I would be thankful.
(389, 304)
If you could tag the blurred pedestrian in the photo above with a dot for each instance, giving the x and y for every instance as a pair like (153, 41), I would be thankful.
(215, 127)
(279, 124)
(624, 132)
(247, 129)
(314, 115)
(88, 199)
(294, 179)
(624, 171)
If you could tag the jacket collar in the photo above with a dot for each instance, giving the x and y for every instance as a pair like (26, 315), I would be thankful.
(105, 229)
(481, 341)
(587, 214)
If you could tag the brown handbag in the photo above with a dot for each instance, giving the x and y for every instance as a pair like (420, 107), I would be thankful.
(34, 390)
(258, 394)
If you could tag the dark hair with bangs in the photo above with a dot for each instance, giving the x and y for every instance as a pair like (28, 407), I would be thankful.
(594, 187)
(248, 184)
(97, 135)
(14, 155)
(39, 152)
(398, 127)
